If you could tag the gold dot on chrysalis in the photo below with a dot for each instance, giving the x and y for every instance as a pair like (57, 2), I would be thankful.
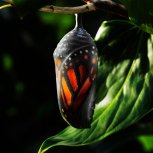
(94, 61)
(70, 64)
(86, 57)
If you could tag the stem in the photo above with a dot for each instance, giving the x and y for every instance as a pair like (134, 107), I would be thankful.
(78, 18)
(105, 5)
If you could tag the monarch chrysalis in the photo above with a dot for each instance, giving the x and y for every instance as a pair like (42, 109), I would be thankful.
(76, 68)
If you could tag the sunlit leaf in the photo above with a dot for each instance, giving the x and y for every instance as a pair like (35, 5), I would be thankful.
(124, 85)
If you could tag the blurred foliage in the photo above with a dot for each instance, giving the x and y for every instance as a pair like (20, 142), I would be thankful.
(7, 62)
(51, 19)
(147, 142)
(140, 13)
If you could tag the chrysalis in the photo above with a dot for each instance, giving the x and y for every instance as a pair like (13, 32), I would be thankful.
(76, 67)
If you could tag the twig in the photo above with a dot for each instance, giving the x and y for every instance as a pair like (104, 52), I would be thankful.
(69, 10)
(105, 5)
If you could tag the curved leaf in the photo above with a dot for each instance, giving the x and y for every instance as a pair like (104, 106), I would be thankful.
(141, 13)
(124, 85)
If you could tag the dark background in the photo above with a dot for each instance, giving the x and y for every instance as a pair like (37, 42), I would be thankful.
(28, 99)
(28, 104)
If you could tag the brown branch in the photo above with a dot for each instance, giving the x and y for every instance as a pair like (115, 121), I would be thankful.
(105, 5)
(69, 10)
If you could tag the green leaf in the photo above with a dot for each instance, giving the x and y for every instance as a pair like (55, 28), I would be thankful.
(146, 141)
(141, 13)
(124, 89)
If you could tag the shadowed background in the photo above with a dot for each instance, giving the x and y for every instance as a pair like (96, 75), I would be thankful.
(28, 102)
